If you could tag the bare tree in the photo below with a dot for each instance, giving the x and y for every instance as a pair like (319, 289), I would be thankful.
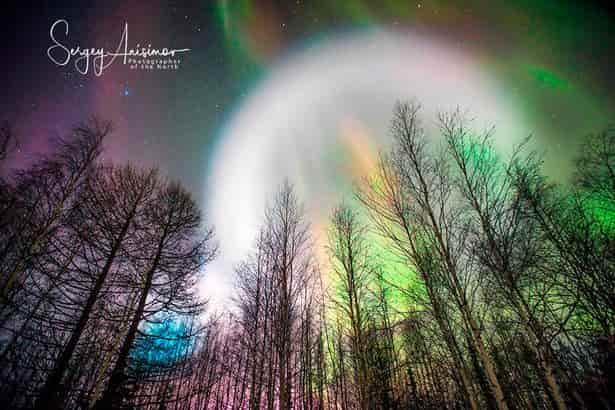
(112, 203)
(45, 195)
(408, 200)
(353, 269)
(504, 238)
(173, 253)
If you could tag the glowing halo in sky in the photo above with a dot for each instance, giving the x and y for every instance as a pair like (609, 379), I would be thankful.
(319, 118)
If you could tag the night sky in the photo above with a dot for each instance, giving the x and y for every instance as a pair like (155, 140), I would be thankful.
(304, 89)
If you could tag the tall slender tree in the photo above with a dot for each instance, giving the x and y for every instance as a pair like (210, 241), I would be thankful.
(106, 222)
(174, 251)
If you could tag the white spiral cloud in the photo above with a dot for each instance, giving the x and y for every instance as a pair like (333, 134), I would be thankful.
(293, 126)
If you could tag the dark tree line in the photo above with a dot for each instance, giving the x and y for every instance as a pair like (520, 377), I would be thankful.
(456, 277)
(91, 254)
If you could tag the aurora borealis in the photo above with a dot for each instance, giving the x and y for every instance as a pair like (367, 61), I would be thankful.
(304, 90)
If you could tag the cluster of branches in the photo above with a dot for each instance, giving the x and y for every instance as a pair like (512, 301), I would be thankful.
(92, 257)
(516, 275)
(455, 278)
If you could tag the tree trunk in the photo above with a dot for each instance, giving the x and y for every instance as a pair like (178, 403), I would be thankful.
(52, 394)
(111, 398)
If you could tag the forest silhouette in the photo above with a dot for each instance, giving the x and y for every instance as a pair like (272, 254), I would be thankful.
(456, 277)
